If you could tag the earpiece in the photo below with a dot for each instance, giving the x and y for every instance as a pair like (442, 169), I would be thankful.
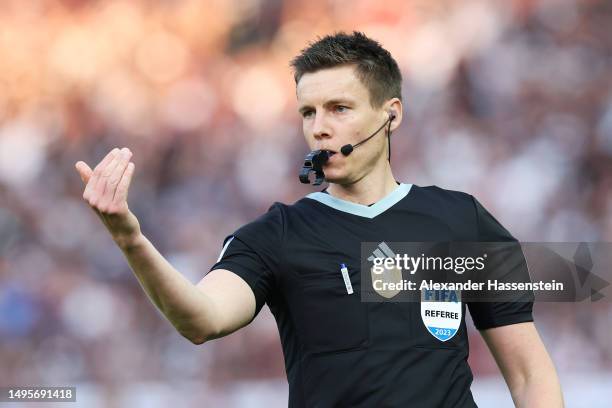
(391, 115)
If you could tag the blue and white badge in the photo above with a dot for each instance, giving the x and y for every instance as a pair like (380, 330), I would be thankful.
(441, 312)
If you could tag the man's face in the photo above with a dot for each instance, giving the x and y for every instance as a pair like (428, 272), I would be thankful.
(335, 109)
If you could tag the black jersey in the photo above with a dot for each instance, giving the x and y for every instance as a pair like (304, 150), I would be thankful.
(340, 351)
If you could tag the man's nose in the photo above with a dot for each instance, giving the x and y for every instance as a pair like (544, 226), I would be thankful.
(320, 127)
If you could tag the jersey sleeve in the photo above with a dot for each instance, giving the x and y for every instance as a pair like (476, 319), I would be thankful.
(506, 263)
(254, 252)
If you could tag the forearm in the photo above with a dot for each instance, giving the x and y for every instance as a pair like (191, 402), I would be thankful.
(106, 189)
(189, 310)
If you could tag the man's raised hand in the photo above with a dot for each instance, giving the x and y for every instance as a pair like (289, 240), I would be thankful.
(106, 192)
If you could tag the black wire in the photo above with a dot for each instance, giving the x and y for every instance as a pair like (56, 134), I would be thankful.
(389, 141)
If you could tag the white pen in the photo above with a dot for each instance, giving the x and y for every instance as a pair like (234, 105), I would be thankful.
(347, 279)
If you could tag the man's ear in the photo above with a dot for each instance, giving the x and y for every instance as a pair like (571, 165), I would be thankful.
(394, 112)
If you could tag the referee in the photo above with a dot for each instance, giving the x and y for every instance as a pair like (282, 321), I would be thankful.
(303, 260)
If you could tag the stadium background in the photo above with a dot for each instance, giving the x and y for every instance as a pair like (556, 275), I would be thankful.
(508, 100)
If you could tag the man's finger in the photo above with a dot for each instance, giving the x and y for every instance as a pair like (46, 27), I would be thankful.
(121, 193)
(106, 172)
(93, 180)
(102, 187)
(84, 171)
(112, 180)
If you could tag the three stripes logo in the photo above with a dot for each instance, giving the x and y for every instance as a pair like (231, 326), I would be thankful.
(387, 283)
(383, 251)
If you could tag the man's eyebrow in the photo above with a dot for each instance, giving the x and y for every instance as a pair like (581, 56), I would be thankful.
(331, 102)
(339, 101)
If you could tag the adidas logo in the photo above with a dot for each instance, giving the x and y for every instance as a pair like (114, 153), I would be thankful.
(383, 251)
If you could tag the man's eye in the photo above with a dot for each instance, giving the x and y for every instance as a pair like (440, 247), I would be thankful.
(341, 109)
(306, 114)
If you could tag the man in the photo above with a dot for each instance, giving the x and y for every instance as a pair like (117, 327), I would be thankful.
(303, 260)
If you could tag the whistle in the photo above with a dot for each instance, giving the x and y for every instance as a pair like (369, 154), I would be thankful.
(313, 163)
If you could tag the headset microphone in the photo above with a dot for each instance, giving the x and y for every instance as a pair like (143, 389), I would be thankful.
(348, 148)
(315, 160)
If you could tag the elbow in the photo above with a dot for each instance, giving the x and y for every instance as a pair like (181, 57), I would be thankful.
(199, 336)
(197, 340)
(541, 389)
(197, 330)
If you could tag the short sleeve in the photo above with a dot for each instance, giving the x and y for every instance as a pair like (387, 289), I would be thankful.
(508, 264)
(254, 252)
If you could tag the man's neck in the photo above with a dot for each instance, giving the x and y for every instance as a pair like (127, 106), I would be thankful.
(366, 191)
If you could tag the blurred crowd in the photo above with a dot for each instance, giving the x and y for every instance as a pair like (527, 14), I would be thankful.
(510, 101)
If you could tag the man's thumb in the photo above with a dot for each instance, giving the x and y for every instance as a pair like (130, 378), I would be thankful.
(84, 171)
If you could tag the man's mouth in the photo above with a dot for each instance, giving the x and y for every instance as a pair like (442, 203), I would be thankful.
(330, 156)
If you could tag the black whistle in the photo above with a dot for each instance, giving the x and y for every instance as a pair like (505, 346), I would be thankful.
(313, 163)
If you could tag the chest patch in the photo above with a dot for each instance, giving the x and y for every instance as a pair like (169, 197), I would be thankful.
(441, 312)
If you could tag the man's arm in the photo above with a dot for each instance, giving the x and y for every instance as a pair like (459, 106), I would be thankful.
(220, 304)
(525, 365)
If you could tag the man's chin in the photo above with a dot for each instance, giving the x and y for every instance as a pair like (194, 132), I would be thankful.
(337, 177)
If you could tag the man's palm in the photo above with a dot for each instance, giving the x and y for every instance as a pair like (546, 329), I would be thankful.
(106, 192)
